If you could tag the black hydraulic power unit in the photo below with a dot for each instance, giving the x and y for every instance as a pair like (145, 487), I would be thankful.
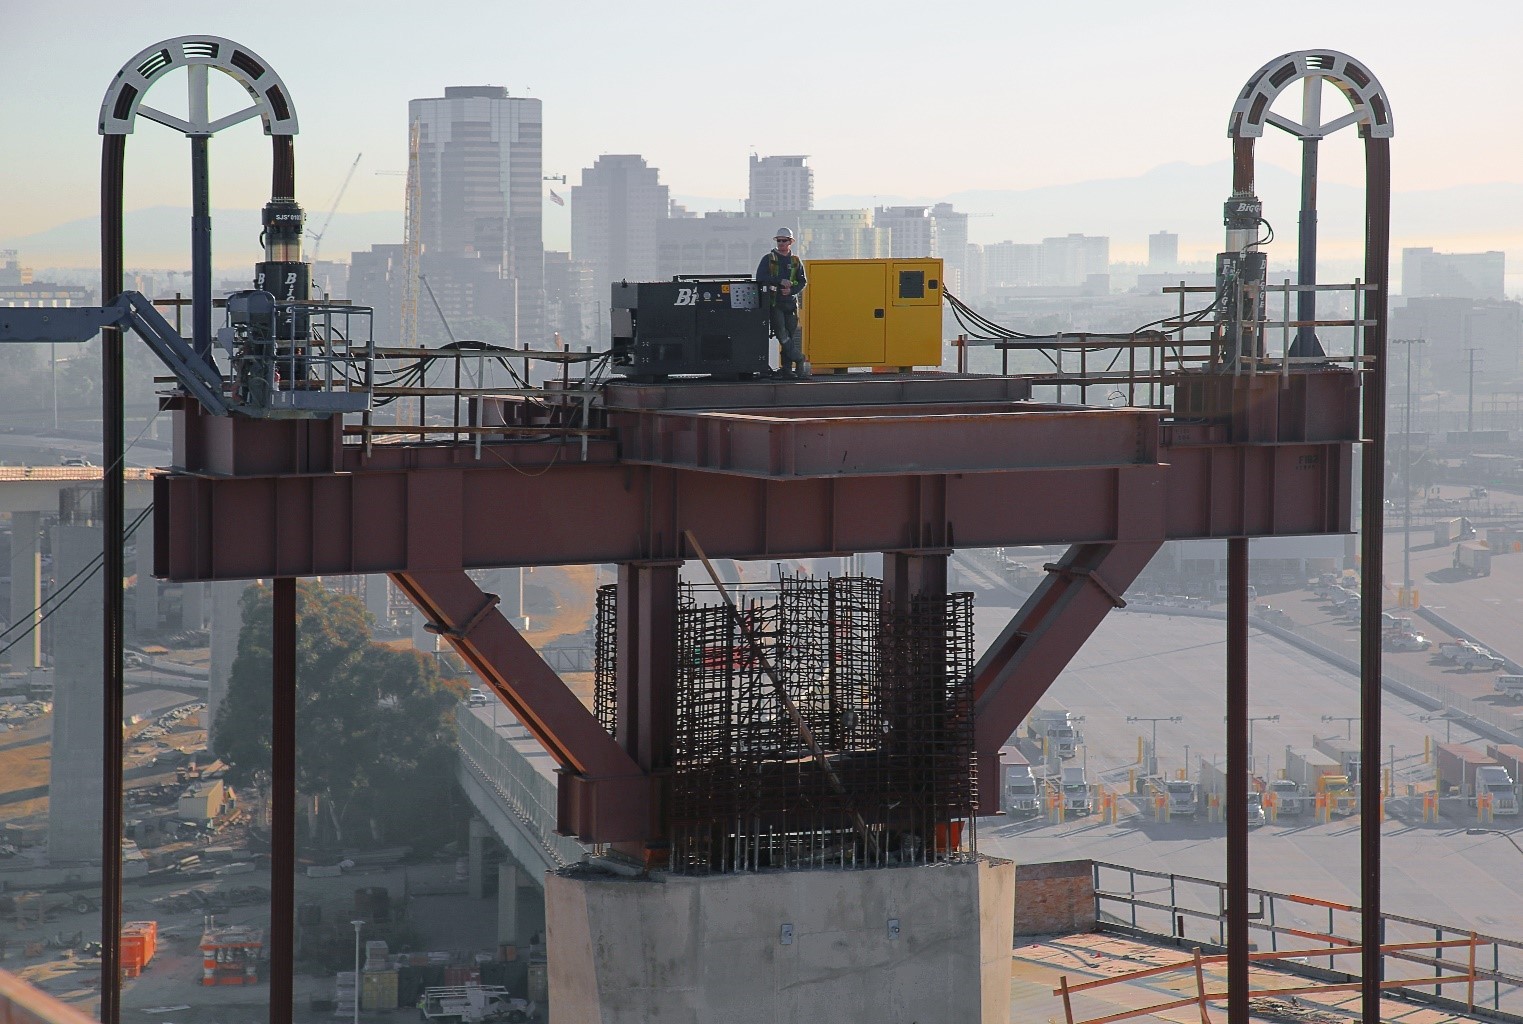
(686, 326)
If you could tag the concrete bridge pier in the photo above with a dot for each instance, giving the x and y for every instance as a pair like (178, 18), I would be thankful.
(906, 943)
(75, 770)
(26, 586)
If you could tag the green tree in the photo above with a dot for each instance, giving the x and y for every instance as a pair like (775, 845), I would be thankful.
(374, 726)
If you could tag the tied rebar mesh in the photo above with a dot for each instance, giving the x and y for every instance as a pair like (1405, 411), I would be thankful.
(888, 697)
(605, 659)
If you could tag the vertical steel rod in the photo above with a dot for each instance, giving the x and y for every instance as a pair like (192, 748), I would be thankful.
(1306, 343)
(1372, 554)
(1237, 776)
(113, 155)
(283, 804)
(200, 246)
(200, 214)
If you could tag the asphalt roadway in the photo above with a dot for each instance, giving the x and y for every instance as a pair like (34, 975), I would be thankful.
(1156, 665)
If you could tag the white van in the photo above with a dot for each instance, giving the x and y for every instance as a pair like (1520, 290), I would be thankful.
(1510, 686)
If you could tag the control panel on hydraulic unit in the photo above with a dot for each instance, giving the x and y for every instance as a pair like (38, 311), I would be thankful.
(1242, 272)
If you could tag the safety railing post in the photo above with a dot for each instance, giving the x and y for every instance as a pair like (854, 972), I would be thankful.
(1438, 955)
(1470, 985)
(1200, 988)
(1132, 894)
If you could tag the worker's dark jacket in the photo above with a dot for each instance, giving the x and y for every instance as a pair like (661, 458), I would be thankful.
(775, 268)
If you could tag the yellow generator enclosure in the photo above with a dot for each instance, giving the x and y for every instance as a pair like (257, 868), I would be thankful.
(883, 314)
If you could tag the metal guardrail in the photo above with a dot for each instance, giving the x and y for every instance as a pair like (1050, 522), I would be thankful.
(1163, 906)
(530, 796)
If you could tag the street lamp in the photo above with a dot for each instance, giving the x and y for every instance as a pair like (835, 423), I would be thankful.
(1448, 724)
(1153, 751)
(358, 924)
(1251, 720)
(1348, 721)
(1405, 600)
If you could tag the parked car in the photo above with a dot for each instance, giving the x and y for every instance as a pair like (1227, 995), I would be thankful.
(1468, 656)
(1404, 641)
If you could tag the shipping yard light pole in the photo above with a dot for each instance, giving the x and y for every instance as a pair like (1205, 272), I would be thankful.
(358, 924)
(1405, 600)
(1448, 724)
(1251, 720)
(1347, 720)
(1153, 751)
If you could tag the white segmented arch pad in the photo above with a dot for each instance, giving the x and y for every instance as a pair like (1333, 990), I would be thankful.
(1371, 108)
(124, 99)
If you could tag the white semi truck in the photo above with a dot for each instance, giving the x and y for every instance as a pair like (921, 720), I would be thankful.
(1076, 795)
(1056, 731)
(1019, 795)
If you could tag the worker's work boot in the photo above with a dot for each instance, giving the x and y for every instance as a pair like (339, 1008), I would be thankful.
(793, 358)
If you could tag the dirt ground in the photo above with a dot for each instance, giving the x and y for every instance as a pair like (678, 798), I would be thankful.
(45, 947)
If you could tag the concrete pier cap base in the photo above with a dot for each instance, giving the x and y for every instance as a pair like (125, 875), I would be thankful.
(925, 943)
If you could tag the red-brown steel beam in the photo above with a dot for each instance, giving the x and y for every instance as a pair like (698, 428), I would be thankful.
(647, 676)
(604, 794)
(1237, 774)
(283, 801)
(1056, 620)
(419, 520)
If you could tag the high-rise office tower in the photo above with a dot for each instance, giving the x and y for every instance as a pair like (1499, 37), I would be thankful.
(615, 213)
(780, 184)
(480, 176)
(1463, 275)
(1163, 251)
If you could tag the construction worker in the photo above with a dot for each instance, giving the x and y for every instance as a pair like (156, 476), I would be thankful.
(780, 279)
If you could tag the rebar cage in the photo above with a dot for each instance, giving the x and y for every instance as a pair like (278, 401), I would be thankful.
(885, 692)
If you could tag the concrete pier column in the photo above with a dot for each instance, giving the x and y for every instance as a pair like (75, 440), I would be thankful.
(192, 605)
(476, 847)
(227, 623)
(378, 599)
(926, 943)
(145, 597)
(26, 586)
(508, 904)
(75, 789)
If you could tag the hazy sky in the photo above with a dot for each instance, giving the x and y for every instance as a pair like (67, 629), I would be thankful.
(889, 99)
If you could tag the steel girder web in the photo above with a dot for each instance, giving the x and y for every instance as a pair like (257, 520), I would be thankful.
(604, 796)
(1041, 639)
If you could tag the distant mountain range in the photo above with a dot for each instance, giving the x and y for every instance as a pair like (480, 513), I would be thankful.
(1183, 198)
(159, 236)
(1187, 199)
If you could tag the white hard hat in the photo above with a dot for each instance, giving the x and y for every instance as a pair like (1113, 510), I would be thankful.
(783, 233)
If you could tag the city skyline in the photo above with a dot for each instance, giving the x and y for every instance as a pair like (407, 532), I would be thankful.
(983, 120)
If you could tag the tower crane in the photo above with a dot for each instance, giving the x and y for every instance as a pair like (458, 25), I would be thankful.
(317, 236)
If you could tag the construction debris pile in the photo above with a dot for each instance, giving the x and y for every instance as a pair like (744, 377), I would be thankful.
(880, 774)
